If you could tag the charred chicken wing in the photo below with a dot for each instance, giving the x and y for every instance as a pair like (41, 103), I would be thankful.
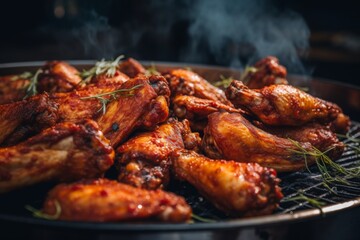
(144, 161)
(265, 72)
(282, 104)
(65, 152)
(104, 200)
(238, 189)
(231, 136)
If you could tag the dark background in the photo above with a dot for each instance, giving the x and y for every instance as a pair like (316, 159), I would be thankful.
(161, 31)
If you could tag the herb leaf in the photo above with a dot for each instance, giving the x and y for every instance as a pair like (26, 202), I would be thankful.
(248, 70)
(202, 219)
(152, 71)
(224, 81)
(24, 75)
(32, 88)
(39, 214)
(101, 67)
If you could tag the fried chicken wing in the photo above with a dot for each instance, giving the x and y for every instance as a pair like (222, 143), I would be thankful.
(196, 110)
(319, 136)
(231, 136)
(265, 72)
(238, 189)
(184, 82)
(141, 109)
(282, 104)
(104, 200)
(65, 152)
(12, 88)
(143, 160)
(131, 67)
(58, 76)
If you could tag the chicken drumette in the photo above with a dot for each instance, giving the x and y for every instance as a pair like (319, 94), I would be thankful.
(104, 200)
(65, 152)
(280, 105)
(238, 189)
(143, 160)
(231, 136)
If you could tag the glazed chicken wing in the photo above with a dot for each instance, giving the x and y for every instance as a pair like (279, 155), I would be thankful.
(144, 161)
(65, 152)
(184, 82)
(238, 189)
(282, 104)
(104, 200)
(131, 67)
(231, 136)
(196, 110)
(265, 72)
(13, 88)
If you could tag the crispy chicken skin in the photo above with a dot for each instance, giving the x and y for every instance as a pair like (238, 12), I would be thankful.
(104, 200)
(102, 79)
(143, 108)
(131, 67)
(265, 72)
(184, 82)
(58, 76)
(280, 105)
(143, 160)
(238, 189)
(65, 152)
(231, 136)
(320, 136)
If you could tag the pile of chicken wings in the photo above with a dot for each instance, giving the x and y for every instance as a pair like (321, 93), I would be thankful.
(155, 128)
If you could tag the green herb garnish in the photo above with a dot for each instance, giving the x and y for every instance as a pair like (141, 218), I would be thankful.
(112, 96)
(301, 197)
(202, 219)
(152, 70)
(31, 90)
(224, 82)
(24, 75)
(101, 67)
(246, 72)
(39, 214)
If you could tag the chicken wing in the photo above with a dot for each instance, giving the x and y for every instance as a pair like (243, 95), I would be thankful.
(65, 152)
(13, 88)
(104, 200)
(265, 72)
(282, 104)
(319, 136)
(184, 82)
(238, 189)
(231, 136)
(131, 67)
(196, 110)
(143, 160)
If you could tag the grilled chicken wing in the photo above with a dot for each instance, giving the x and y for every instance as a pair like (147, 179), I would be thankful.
(196, 110)
(231, 136)
(131, 67)
(65, 152)
(184, 82)
(58, 76)
(238, 189)
(265, 72)
(143, 160)
(104, 200)
(282, 104)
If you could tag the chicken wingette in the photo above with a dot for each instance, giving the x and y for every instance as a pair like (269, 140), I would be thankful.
(238, 189)
(144, 159)
(64, 152)
(104, 200)
(231, 136)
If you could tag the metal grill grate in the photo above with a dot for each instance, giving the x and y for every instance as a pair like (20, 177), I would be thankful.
(311, 184)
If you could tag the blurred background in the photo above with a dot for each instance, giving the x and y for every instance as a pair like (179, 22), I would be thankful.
(315, 38)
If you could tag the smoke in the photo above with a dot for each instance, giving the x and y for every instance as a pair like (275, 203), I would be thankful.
(238, 33)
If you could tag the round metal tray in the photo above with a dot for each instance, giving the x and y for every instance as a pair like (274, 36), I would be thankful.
(12, 211)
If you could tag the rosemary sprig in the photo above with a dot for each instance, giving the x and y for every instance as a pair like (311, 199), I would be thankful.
(24, 75)
(152, 70)
(31, 90)
(39, 214)
(330, 171)
(112, 96)
(101, 67)
(224, 81)
(301, 197)
(202, 219)
(247, 71)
